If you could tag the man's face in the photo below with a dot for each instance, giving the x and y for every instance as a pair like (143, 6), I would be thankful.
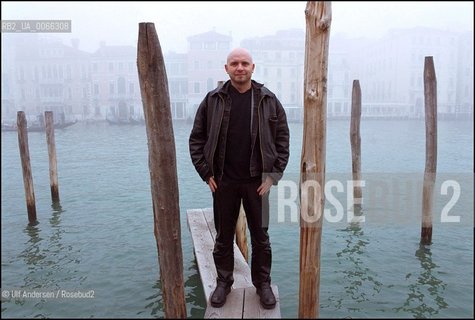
(239, 67)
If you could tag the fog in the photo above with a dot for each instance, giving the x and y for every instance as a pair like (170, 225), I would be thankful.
(382, 44)
(100, 238)
(117, 22)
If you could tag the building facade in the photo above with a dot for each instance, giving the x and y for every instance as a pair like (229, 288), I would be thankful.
(44, 75)
(391, 72)
(206, 58)
(279, 63)
(115, 91)
(40, 74)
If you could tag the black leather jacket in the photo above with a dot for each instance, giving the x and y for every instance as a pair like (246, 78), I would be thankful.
(208, 137)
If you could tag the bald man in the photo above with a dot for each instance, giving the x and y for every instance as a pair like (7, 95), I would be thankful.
(239, 146)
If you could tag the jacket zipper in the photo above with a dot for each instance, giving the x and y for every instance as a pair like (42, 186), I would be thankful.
(260, 131)
(216, 142)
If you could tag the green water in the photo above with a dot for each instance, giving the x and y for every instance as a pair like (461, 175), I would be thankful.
(99, 241)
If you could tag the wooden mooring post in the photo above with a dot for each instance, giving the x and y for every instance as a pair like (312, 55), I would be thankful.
(162, 166)
(355, 140)
(53, 168)
(312, 167)
(430, 104)
(26, 166)
(241, 233)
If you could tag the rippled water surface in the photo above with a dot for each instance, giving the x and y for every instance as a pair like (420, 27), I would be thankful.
(99, 239)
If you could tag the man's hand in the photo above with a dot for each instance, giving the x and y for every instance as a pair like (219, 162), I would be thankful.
(265, 186)
(212, 184)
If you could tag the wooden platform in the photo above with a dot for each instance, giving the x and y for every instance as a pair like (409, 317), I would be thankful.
(242, 302)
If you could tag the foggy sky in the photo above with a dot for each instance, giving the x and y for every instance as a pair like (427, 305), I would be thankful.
(117, 22)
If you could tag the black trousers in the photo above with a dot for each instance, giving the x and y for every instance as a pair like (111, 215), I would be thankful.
(226, 205)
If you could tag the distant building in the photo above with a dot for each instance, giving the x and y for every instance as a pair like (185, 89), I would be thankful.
(115, 86)
(176, 65)
(42, 74)
(206, 58)
(391, 72)
(339, 82)
(464, 81)
(8, 106)
(279, 63)
(45, 75)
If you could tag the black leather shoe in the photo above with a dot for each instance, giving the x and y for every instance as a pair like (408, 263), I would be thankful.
(266, 295)
(218, 298)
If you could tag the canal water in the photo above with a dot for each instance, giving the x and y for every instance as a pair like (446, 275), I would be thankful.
(94, 254)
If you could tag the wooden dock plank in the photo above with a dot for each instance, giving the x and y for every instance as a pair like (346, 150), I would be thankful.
(208, 213)
(232, 308)
(242, 301)
(203, 244)
(253, 308)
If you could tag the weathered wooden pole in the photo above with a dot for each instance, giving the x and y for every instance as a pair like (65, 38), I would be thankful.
(241, 230)
(53, 168)
(355, 140)
(241, 225)
(162, 166)
(430, 104)
(312, 166)
(26, 166)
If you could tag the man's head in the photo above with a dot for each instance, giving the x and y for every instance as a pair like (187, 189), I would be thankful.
(239, 67)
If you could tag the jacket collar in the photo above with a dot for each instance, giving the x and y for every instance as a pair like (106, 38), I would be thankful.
(256, 86)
